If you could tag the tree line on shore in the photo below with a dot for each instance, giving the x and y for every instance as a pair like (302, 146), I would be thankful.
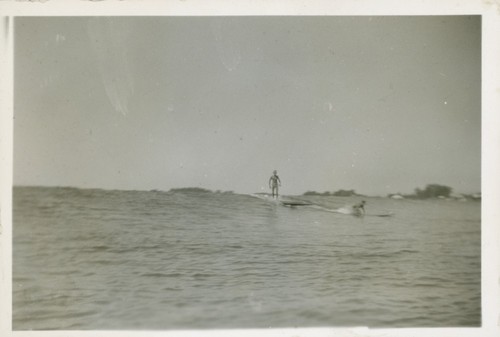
(431, 191)
(339, 193)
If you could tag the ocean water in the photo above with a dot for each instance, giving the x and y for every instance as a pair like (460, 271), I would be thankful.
(191, 259)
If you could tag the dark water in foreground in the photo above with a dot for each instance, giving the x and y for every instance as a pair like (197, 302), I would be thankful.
(94, 259)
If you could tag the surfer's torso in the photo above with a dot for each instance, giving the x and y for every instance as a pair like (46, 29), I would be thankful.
(274, 180)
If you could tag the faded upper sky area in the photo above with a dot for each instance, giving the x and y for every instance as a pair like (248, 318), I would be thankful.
(375, 104)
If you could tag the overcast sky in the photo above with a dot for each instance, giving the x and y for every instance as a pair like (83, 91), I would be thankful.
(375, 104)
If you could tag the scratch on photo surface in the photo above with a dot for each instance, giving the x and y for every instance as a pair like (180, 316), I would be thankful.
(108, 38)
(228, 52)
(5, 29)
(32, 0)
(493, 3)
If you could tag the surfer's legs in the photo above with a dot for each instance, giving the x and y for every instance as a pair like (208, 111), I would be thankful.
(275, 188)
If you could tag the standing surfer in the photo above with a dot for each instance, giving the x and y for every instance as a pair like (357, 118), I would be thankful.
(274, 182)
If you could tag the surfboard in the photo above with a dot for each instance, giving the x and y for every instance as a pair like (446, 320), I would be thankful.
(348, 211)
(382, 215)
(281, 201)
(293, 203)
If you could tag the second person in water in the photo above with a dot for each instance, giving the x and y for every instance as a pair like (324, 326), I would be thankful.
(359, 209)
(274, 182)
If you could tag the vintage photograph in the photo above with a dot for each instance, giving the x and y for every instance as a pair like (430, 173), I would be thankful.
(246, 172)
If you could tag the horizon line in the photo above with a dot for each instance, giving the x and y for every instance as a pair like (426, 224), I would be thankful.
(221, 190)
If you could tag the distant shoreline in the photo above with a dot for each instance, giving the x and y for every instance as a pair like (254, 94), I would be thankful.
(431, 191)
(339, 193)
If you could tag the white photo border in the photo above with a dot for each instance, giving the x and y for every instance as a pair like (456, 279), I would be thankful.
(489, 10)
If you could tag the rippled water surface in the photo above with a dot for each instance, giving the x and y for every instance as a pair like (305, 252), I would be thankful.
(94, 259)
